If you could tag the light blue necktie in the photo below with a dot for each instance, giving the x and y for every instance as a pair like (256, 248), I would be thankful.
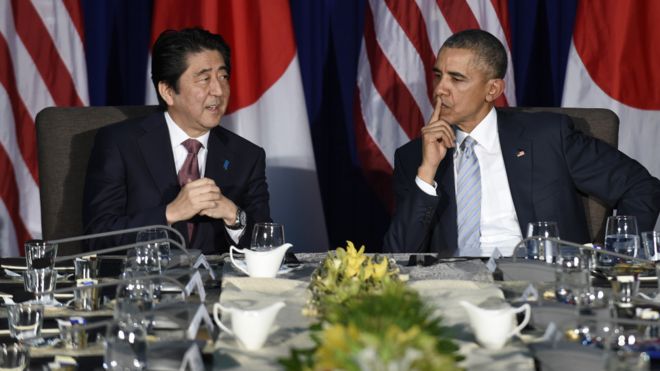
(468, 200)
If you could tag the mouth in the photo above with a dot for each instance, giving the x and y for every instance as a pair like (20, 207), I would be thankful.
(213, 107)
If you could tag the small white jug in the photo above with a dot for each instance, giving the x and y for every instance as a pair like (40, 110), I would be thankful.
(494, 327)
(263, 264)
(250, 327)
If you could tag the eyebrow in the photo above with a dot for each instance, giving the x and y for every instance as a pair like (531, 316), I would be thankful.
(207, 70)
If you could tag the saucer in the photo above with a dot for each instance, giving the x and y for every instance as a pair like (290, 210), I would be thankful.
(283, 269)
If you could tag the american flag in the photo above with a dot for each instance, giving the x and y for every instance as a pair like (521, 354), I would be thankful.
(394, 85)
(42, 64)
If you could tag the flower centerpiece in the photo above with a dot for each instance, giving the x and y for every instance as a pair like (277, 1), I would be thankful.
(370, 320)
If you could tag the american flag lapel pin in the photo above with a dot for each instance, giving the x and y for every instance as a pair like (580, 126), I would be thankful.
(226, 165)
(520, 153)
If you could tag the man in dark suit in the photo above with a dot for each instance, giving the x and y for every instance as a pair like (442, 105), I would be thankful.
(179, 167)
(478, 175)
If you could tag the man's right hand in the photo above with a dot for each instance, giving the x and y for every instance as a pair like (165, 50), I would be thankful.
(437, 137)
(195, 196)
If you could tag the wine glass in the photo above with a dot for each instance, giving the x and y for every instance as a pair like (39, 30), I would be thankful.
(267, 236)
(538, 248)
(621, 236)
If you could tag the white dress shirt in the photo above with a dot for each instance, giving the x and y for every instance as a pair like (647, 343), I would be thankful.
(499, 222)
(177, 137)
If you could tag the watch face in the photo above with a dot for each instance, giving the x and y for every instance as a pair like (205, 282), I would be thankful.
(242, 218)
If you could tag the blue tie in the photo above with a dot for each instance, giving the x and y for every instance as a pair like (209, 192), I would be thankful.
(468, 200)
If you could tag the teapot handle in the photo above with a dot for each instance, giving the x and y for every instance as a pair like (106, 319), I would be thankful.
(528, 312)
(224, 328)
(231, 257)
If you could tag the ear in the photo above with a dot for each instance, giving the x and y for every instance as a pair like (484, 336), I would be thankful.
(166, 92)
(495, 89)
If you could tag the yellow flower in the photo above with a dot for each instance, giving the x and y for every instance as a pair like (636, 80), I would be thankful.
(336, 339)
(380, 269)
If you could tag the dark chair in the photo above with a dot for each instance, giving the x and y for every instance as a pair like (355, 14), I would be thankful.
(64, 138)
(599, 123)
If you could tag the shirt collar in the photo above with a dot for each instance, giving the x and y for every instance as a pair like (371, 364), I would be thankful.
(485, 133)
(177, 135)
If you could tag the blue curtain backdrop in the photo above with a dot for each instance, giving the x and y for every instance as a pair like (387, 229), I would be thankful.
(328, 36)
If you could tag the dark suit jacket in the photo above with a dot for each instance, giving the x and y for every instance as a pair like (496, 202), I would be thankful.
(131, 178)
(544, 183)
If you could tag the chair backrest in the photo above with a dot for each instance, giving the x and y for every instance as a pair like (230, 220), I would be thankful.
(599, 123)
(64, 139)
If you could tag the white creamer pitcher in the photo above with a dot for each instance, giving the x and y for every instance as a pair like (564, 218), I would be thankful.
(250, 327)
(263, 264)
(494, 327)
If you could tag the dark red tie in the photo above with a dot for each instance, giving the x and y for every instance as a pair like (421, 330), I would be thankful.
(190, 171)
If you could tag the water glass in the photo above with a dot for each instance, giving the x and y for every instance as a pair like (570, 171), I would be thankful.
(73, 333)
(624, 289)
(154, 234)
(86, 268)
(40, 254)
(621, 237)
(125, 346)
(651, 243)
(41, 283)
(134, 301)
(538, 248)
(267, 236)
(625, 350)
(572, 283)
(14, 357)
(87, 296)
(25, 321)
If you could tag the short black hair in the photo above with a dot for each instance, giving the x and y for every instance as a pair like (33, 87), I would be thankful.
(488, 49)
(171, 50)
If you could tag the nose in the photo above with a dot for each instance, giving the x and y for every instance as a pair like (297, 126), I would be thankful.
(218, 86)
(440, 88)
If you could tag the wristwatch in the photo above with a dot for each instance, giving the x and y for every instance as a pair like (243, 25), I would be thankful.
(241, 220)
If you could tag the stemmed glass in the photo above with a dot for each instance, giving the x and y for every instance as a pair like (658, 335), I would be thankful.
(538, 248)
(267, 236)
(621, 236)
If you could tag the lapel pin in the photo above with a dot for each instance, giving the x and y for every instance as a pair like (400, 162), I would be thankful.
(520, 153)
(226, 165)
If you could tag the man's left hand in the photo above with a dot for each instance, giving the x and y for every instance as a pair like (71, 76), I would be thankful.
(224, 209)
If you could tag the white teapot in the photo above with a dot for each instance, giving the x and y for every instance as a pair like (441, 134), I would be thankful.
(250, 327)
(263, 264)
(494, 327)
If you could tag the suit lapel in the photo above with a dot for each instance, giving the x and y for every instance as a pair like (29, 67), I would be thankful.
(156, 149)
(517, 153)
(220, 159)
(446, 190)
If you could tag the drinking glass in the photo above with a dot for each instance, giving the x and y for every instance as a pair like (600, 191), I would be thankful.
(572, 282)
(41, 283)
(625, 350)
(621, 237)
(40, 254)
(125, 346)
(14, 357)
(144, 259)
(538, 248)
(651, 243)
(267, 236)
(86, 268)
(25, 321)
(134, 300)
(154, 234)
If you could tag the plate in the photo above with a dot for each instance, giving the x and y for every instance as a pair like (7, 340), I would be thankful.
(283, 268)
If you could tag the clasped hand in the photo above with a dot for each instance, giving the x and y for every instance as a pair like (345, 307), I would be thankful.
(201, 197)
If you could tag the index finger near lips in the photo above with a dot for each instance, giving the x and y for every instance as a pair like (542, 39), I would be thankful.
(437, 111)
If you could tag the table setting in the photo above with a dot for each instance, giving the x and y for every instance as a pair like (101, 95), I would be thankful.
(553, 304)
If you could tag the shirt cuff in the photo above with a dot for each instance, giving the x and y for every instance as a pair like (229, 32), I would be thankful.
(429, 189)
(235, 234)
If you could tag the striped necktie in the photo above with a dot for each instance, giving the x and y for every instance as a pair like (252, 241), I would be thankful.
(468, 200)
